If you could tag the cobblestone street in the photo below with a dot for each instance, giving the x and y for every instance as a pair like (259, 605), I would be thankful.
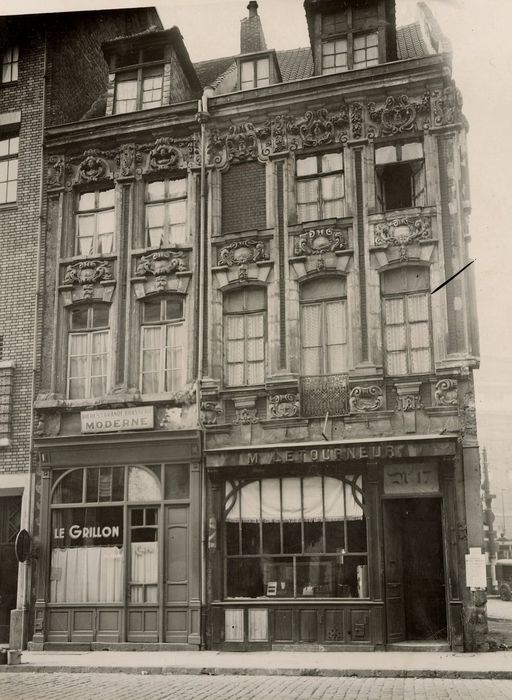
(122, 686)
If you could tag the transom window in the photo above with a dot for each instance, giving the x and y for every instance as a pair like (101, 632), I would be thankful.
(141, 87)
(8, 169)
(95, 222)
(255, 73)
(324, 327)
(406, 320)
(166, 212)
(296, 537)
(88, 351)
(244, 336)
(400, 175)
(162, 345)
(10, 60)
(320, 187)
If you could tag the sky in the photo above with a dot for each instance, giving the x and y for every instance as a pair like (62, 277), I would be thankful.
(479, 31)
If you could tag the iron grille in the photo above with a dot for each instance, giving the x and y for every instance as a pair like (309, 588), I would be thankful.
(324, 393)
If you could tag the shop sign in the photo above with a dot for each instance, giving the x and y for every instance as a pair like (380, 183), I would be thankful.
(118, 419)
(410, 478)
(324, 454)
(75, 532)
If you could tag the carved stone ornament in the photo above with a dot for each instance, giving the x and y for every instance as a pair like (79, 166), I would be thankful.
(402, 232)
(356, 119)
(318, 127)
(242, 252)
(56, 170)
(92, 168)
(366, 398)
(469, 414)
(126, 160)
(446, 392)
(447, 106)
(210, 411)
(246, 416)
(408, 402)
(161, 265)
(399, 113)
(241, 142)
(164, 155)
(87, 273)
(284, 405)
(317, 241)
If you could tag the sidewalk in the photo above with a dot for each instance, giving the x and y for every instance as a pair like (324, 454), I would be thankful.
(272, 663)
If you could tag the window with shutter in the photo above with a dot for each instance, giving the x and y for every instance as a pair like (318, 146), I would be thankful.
(400, 176)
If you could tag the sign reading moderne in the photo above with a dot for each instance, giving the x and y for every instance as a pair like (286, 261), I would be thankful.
(109, 421)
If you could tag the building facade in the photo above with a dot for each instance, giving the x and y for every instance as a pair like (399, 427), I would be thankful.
(256, 424)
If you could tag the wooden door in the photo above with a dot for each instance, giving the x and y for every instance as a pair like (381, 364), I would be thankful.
(10, 510)
(177, 574)
(393, 571)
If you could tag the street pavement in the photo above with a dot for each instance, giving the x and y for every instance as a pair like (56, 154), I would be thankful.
(120, 686)
(499, 609)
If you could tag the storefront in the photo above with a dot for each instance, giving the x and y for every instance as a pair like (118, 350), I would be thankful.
(120, 540)
(346, 544)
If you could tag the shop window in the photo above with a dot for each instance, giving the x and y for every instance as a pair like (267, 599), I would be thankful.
(141, 87)
(296, 537)
(144, 484)
(320, 187)
(162, 345)
(406, 321)
(95, 221)
(324, 327)
(88, 352)
(244, 336)
(166, 213)
(143, 584)
(255, 73)
(400, 176)
(10, 61)
(8, 169)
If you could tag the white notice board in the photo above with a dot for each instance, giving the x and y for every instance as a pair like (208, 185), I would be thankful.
(476, 576)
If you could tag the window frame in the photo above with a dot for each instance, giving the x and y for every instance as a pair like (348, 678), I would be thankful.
(244, 314)
(349, 37)
(10, 158)
(78, 213)
(253, 62)
(139, 68)
(319, 176)
(12, 54)
(163, 324)
(90, 331)
(418, 198)
(166, 202)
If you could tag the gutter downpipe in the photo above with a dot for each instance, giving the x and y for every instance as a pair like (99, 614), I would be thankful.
(202, 117)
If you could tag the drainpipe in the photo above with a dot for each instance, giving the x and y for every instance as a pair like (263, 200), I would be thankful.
(202, 117)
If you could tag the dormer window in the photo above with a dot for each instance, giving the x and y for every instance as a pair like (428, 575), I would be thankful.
(255, 73)
(338, 57)
(141, 86)
(366, 50)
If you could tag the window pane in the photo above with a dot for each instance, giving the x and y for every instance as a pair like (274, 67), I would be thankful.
(396, 363)
(155, 190)
(313, 536)
(86, 201)
(100, 313)
(152, 310)
(14, 145)
(70, 488)
(334, 535)
(331, 162)
(12, 188)
(420, 361)
(307, 192)
(105, 221)
(417, 307)
(395, 337)
(385, 154)
(272, 538)
(359, 42)
(178, 188)
(255, 373)
(234, 327)
(307, 166)
(311, 325)
(394, 310)
(126, 88)
(177, 479)
(4, 147)
(247, 74)
(412, 151)
(79, 317)
(177, 212)
(419, 335)
(173, 308)
(235, 374)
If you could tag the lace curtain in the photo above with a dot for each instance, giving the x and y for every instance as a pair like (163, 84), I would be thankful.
(87, 575)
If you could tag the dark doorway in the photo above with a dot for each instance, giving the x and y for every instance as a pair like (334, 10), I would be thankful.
(10, 512)
(414, 566)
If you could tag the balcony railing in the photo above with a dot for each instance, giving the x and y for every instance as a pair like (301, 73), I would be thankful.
(326, 393)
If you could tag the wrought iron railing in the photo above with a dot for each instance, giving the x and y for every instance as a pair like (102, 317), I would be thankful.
(326, 393)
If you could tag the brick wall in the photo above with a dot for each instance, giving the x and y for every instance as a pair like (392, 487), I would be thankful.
(243, 198)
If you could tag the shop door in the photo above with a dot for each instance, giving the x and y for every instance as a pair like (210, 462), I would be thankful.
(414, 568)
(176, 574)
(10, 510)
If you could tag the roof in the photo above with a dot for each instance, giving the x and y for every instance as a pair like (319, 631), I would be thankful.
(296, 64)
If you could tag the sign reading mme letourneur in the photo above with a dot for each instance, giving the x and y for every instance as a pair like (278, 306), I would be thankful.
(109, 421)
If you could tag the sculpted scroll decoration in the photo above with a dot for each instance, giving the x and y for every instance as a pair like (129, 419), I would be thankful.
(399, 114)
(87, 273)
(446, 392)
(366, 398)
(402, 232)
(161, 265)
(284, 405)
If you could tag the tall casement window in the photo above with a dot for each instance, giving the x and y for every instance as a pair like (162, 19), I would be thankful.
(95, 223)
(320, 187)
(296, 537)
(10, 60)
(244, 336)
(140, 87)
(8, 169)
(166, 212)
(255, 73)
(88, 351)
(406, 321)
(324, 326)
(343, 49)
(162, 345)
(400, 175)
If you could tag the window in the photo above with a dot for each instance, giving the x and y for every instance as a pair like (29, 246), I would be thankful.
(10, 59)
(334, 56)
(95, 219)
(400, 176)
(88, 351)
(324, 327)
(254, 73)
(406, 320)
(141, 87)
(162, 345)
(296, 537)
(366, 50)
(349, 51)
(244, 336)
(320, 187)
(166, 212)
(8, 169)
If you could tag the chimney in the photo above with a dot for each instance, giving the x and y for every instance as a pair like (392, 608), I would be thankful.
(251, 32)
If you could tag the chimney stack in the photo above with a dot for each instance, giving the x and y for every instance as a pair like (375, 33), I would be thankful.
(252, 38)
